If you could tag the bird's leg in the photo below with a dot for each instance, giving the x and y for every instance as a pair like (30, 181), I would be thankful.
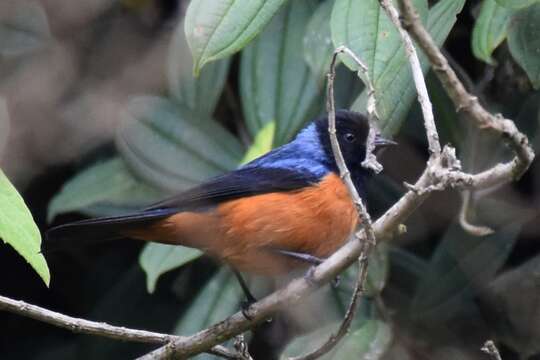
(250, 299)
(310, 259)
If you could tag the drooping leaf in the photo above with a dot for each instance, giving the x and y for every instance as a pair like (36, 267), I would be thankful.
(18, 229)
(275, 81)
(218, 28)
(219, 298)
(516, 4)
(318, 46)
(489, 29)
(157, 259)
(23, 27)
(261, 144)
(524, 41)
(108, 184)
(172, 148)
(394, 86)
(4, 125)
(370, 341)
(461, 264)
(201, 93)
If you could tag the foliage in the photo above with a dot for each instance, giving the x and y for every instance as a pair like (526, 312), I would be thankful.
(280, 50)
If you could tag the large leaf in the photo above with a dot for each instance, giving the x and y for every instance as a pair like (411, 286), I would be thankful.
(489, 29)
(393, 82)
(18, 229)
(318, 46)
(275, 81)
(171, 147)
(524, 41)
(198, 94)
(461, 264)
(23, 27)
(364, 27)
(107, 183)
(218, 299)
(157, 259)
(370, 341)
(516, 4)
(218, 28)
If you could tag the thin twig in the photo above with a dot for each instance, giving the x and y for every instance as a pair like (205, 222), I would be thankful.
(83, 326)
(476, 230)
(418, 77)
(490, 349)
(365, 225)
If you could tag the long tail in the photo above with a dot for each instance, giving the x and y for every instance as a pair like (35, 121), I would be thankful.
(100, 229)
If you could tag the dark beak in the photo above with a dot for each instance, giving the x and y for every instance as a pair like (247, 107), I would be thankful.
(381, 142)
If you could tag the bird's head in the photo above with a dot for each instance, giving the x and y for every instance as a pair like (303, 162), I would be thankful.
(352, 132)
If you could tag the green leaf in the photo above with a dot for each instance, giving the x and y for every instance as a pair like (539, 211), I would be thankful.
(377, 270)
(516, 4)
(524, 41)
(105, 183)
(318, 46)
(364, 27)
(261, 144)
(172, 148)
(275, 81)
(489, 29)
(157, 259)
(461, 264)
(394, 86)
(18, 229)
(370, 341)
(218, 28)
(23, 28)
(218, 299)
(4, 125)
(198, 94)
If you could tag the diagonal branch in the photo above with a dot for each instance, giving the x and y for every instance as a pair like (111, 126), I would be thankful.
(83, 326)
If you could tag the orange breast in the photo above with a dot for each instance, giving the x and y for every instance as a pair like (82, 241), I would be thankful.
(316, 220)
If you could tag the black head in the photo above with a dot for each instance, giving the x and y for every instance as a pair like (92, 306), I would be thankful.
(352, 131)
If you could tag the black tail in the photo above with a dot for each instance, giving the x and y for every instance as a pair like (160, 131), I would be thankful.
(91, 231)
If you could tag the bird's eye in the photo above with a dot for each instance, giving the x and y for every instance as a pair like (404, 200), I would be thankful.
(350, 137)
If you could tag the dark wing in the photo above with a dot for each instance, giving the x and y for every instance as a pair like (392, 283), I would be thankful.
(236, 184)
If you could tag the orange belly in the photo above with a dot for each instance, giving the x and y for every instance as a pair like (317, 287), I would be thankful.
(316, 220)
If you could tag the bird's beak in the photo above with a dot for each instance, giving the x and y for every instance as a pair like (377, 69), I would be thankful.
(381, 142)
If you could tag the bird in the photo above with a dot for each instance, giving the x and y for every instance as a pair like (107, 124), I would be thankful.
(286, 209)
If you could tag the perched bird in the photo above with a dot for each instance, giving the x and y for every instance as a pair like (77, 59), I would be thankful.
(277, 212)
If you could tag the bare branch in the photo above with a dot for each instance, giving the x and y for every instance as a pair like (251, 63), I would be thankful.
(82, 326)
(418, 77)
(468, 103)
(365, 225)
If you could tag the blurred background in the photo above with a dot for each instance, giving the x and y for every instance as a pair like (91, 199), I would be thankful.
(100, 114)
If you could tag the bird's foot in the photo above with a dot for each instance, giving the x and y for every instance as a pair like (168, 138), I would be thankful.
(336, 281)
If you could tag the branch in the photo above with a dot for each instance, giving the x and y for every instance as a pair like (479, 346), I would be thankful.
(82, 326)
(418, 77)
(365, 225)
(468, 103)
